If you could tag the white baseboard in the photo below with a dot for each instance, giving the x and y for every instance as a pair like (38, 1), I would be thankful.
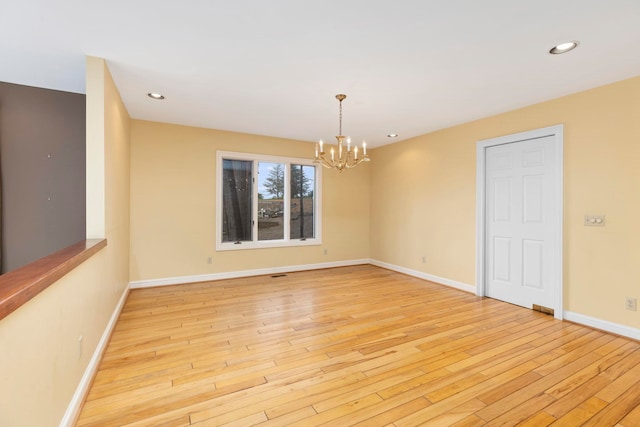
(430, 277)
(73, 410)
(179, 280)
(244, 273)
(604, 325)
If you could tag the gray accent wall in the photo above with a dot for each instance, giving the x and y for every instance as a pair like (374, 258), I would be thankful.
(42, 161)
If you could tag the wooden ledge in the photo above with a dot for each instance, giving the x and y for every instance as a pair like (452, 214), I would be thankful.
(18, 286)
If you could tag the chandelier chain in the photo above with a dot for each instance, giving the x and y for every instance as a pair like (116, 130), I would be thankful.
(340, 130)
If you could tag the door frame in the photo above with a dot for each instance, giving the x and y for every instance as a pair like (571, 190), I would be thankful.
(557, 132)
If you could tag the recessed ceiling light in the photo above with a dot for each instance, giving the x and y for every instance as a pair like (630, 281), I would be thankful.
(392, 135)
(563, 48)
(154, 95)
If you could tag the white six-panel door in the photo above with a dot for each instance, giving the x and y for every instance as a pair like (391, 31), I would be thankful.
(522, 221)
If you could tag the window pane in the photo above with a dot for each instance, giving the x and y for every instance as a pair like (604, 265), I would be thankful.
(266, 201)
(270, 201)
(236, 201)
(303, 184)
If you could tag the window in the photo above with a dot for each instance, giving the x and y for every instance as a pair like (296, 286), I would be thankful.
(266, 201)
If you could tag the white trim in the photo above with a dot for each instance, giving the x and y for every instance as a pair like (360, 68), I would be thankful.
(138, 284)
(266, 244)
(558, 133)
(73, 410)
(604, 325)
(425, 276)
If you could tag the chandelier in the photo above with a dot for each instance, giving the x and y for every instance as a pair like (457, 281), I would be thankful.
(340, 158)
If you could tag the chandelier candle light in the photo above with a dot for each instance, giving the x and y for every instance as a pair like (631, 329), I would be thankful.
(346, 159)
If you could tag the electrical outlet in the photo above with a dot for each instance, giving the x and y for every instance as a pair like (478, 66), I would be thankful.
(325, 251)
(424, 259)
(630, 304)
(209, 260)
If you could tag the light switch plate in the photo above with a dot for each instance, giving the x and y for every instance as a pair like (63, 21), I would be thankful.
(594, 220)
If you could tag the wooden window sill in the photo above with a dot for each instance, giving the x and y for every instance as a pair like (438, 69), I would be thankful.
(17, 287)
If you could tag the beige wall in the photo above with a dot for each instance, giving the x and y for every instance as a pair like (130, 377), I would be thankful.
(173, 175)
(423, 197)
(40, 366)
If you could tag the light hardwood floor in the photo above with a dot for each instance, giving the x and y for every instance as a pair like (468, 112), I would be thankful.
(354, 346)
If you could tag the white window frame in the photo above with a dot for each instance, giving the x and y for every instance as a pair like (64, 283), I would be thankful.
(261, 244)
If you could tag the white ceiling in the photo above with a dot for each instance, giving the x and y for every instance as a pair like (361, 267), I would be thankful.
(272, 67)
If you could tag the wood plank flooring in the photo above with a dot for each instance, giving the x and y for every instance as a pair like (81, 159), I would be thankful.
(354, 346)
